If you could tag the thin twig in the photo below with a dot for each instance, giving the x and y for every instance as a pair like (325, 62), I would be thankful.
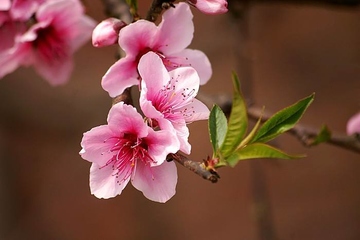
(196, 167)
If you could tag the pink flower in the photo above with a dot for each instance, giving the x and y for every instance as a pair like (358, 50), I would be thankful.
(107, 32)
(127, 149)
(48, 45)
(168, 40)
(210, 6)
(169, 97)
(353, 125)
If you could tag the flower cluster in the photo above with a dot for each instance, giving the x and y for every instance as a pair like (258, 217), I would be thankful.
(131, 147)
(43, 34)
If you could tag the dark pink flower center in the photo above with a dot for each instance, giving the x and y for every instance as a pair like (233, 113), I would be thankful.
(51, 46)
(127, 151)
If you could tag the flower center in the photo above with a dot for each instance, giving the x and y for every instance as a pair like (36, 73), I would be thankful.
(127, 151)
(50, 45)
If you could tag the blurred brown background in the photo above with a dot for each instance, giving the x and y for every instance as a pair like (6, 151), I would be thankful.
(283, 52)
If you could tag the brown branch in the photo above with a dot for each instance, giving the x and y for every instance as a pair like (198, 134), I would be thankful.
(196, 167)
(157, 7)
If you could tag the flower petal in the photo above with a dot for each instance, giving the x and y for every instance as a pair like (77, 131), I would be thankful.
(96, 145)
(14, 57)
(157, 183)
(148, 108)
(210, 6)
(186, 83)
(153, 73)
(120, 76)
(196, 59)
(161, 143)
(182, 133)
(5, 5)
(176, 29)
(104, 181)
(195, 111)
(56, 72)
(23, 10)
(124, 118)
(137, 37)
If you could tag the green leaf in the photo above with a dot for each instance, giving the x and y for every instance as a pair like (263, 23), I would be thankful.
(217, 127)
(283, 120)
(258, 150)
(238, 121)
(323, 136)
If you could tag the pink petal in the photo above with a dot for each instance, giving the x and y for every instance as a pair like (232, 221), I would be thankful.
(4, 17)
(83, 32)
(353, 125)
(96, 145)
(57, 71)
(137, 38)
(161, 143)
(210, 6)
(124, 118)
(14, 57)
(157, 183)
(182, 133)
(104, 182)
(148, 108)
(9, 30)
(24, 9)
(120, 76)
(153, 73)
(195, 111)
(195, 59)
(5, 5)
(175, 30)
(186, 82)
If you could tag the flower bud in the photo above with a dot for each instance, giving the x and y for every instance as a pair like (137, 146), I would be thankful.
(210, 6)
(353, 125)
(106, 33)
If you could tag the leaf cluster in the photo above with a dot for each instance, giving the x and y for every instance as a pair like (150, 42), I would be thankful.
(228, 136)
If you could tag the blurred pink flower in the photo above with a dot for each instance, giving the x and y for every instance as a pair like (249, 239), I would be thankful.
(169, 97)
(61, 28)
(353, 125)
(168, 40)
(210, 6)
(127, 149)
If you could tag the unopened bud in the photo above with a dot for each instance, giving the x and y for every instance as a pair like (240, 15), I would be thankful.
(353, 125)
(210, 6)
(106, 33)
